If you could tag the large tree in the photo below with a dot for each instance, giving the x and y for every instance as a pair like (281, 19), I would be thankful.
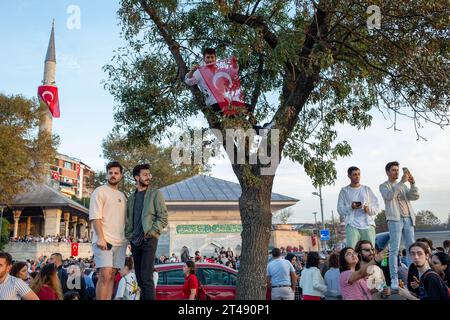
(321, 59)
(24, 152)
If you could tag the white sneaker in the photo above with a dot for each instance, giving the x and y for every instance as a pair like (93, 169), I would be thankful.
(394, 284)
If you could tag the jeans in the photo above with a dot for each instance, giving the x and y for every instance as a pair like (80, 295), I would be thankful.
(396, 230)
(144, 262)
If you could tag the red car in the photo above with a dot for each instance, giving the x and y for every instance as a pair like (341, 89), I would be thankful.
(218, 281)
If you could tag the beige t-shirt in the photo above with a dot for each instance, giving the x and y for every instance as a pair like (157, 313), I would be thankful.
(109, 206)
(403, 205)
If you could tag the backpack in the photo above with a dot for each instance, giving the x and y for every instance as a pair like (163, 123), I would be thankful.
(425, 275)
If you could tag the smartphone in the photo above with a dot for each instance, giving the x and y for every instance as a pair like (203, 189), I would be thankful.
(405, 170)
(357, 203)
(109, 246)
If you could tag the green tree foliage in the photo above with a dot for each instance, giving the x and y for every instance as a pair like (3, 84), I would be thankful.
(426, 219)
(380, 222)
(320, 60)
(164, 172)
(4, 234)
(24, 153)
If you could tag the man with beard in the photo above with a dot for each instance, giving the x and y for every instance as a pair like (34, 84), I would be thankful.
(107, 212)
(146, 218)
(376, 281)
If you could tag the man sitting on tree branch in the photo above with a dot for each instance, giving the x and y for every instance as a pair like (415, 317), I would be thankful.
(221, 86)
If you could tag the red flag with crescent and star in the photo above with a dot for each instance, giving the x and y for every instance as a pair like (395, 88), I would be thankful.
(74, 249)
(49, 95)
(55, 175)
(222, 80)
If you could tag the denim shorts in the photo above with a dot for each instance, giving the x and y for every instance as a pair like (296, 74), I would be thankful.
(114, 258)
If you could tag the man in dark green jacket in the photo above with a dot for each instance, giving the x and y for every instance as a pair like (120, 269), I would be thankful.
(146, 218)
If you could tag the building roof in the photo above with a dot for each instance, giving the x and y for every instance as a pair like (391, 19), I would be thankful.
(51, 55)
(44, 196)
(206, 188)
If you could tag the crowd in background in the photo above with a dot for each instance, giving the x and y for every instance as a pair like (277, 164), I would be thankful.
(48, 239)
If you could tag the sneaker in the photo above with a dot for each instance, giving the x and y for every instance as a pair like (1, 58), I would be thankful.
(394, 285)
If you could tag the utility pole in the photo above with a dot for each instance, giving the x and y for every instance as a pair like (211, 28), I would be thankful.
(321, 205)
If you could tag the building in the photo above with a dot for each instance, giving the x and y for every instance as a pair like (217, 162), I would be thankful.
(204, 215)
(42, 211)
(288, 235)
(72, 177)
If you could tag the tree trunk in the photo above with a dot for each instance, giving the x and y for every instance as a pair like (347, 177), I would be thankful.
(256, 216)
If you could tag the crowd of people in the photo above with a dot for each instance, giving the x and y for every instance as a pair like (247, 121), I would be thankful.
(48, 239)
(361, 273)
(222, 256)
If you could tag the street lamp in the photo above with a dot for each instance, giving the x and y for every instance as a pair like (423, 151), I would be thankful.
(315, 219)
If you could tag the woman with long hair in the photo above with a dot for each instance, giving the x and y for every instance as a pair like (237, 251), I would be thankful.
(440, 263)
(46, 284)
(190, 288)
(20, 270)
(352, 278)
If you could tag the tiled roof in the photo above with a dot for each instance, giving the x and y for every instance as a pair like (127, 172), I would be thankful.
(206, 188)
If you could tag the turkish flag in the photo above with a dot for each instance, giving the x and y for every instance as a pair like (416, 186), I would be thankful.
(222, 80)
(49, 95)
(313, 240)
(74, 249)
(78, 170)
(55, 175)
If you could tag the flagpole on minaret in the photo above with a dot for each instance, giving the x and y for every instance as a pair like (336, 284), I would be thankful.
(49, 78)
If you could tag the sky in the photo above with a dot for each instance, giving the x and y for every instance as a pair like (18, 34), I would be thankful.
(87, 108)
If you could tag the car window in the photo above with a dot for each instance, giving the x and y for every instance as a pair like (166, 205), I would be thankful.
(161, 278)
(217, 277)
(174, 277)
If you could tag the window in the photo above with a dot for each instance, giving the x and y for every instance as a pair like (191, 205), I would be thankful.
(174, 277)
(68, 165)
(217, 277)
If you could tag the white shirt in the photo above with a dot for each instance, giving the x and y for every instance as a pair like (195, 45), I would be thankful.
(197, 79)
(357, 218)
(109, 206)
(312, 283)
(128, 288)
(13, 288)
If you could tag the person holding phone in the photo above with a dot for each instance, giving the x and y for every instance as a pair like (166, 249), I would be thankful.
(400, 215)
(357, 204)
(107, 212)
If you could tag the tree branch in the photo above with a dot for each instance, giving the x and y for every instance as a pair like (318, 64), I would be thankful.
(255, 22)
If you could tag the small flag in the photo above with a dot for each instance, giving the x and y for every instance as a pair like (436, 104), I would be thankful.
(74, 249)
(55, 175)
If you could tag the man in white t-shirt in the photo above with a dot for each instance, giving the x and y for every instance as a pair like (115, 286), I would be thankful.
(357, 204)
(107, 212)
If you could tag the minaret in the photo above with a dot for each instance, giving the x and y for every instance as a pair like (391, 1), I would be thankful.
(49, 78)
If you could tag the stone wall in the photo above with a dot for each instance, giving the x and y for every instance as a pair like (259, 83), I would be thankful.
(23, 251)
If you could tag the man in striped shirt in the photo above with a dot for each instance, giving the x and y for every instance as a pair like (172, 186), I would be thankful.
(12, 288)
